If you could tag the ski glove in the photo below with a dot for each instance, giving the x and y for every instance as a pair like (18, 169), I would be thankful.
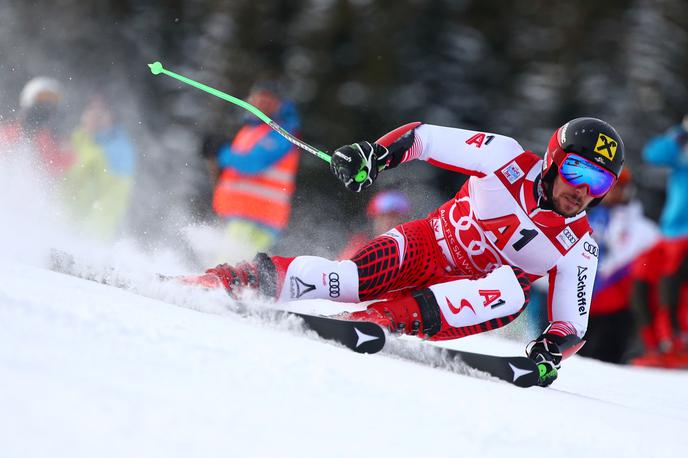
(547, 356)
(357, 165)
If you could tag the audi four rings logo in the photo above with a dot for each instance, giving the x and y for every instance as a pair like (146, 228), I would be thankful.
(334, 284)
(590, 248)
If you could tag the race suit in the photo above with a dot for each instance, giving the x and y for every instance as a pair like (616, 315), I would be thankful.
(459, 251)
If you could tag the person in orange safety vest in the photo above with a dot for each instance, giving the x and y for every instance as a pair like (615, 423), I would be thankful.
(257, 173)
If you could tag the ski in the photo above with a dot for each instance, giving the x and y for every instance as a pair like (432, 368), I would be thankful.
(517, 370)
(359, 336)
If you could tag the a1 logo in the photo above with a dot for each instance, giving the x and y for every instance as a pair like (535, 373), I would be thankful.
(491, 297)
(480, 139)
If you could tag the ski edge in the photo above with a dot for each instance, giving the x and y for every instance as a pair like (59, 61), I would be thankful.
(359, 336)
(519, 371)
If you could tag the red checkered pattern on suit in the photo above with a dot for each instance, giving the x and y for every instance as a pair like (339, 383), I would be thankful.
(423, 264)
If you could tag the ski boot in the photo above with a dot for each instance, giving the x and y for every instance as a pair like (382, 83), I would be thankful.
(416, 314)
(258, 275)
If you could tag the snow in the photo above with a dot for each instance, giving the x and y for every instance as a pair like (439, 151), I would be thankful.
(90, 370)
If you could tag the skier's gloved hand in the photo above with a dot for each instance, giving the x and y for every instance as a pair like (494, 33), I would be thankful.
(357, 165)
(547, 356)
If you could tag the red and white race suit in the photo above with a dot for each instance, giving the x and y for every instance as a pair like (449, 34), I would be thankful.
(457, 251)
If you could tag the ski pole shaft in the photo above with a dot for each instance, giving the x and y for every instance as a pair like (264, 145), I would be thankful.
(156, 68)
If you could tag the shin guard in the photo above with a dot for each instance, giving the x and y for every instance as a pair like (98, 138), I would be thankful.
(472, 306)
(313, 277)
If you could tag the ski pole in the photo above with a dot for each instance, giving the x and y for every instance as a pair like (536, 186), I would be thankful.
(156, 68)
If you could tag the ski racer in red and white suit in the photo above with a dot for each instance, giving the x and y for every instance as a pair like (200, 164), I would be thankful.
(467, 267)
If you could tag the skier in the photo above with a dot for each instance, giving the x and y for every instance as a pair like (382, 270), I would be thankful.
(467, 267)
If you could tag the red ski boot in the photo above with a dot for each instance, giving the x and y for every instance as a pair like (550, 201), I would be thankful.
(236, 278)
(416, 314)
(259, 275)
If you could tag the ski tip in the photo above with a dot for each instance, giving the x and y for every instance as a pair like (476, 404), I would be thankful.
(370, 339)
(156, 68)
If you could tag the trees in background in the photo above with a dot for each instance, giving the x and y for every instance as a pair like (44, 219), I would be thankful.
(357, 68)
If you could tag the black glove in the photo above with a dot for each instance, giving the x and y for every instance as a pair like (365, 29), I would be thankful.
(357, 165)
(547, 356)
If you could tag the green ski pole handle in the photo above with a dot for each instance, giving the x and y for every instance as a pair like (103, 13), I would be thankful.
(156, 68)
(361, 176)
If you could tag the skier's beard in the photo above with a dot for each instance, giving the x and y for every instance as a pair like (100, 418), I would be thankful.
(568, 205)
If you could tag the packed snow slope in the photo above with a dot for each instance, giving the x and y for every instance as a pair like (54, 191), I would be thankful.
(89, 370)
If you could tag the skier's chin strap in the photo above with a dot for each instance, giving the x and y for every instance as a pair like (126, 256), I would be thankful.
(542, 194)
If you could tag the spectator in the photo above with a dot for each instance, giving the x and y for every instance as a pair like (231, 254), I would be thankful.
(653, 322)
(35, 131)
(99, 183)
(256, 176)
(386, 210)
(623, 234)
(671, 150)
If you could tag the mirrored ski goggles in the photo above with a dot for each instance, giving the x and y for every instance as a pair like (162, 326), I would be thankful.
(577, 171)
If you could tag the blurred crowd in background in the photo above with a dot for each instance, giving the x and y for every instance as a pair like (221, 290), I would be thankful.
(89, 166)
(129, 154)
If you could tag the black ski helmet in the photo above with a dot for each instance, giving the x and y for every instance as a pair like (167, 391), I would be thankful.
(590, 138)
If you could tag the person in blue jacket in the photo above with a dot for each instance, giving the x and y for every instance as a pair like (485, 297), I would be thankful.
(671, 150)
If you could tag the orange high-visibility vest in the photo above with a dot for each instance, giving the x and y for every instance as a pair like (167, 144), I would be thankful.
(264, 197)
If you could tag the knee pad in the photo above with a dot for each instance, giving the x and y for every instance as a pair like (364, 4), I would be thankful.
(483, 304)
